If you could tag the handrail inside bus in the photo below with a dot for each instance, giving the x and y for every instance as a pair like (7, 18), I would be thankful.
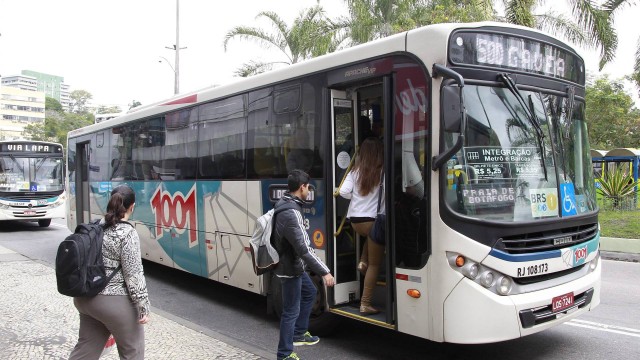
(337, 190)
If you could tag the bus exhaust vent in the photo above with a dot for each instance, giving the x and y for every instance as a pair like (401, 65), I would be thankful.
(548, 240)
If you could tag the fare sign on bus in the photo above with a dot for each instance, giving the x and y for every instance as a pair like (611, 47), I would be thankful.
(515, 53)
(26, 147)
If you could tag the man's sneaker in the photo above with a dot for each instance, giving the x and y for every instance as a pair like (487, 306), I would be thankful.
(306, 339)
(292, 356)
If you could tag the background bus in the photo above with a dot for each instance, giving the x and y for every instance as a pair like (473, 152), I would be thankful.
(32, 181)
(492, 229)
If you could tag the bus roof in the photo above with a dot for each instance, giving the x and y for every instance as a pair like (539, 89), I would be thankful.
(437, 33)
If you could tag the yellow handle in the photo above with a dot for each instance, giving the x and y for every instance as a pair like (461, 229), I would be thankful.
(340, 227)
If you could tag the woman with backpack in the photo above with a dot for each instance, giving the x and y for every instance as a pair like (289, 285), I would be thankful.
(122, 307)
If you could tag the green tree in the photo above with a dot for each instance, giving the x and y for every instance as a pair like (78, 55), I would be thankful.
(134, 103)
(312, 34)
(79, 101)
(52, 105)
(108, 109)
(610, 115)
(374, 19)
(589, 25)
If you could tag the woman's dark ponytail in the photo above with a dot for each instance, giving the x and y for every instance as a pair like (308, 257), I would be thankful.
(122, 197)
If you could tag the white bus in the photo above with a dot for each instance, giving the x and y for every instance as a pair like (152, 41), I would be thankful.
(492, 227)
(32, 181)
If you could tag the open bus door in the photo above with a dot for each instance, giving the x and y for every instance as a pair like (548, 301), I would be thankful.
(345, 242)
(347, 245)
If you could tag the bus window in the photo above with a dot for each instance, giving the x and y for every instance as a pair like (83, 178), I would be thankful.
(221, 144)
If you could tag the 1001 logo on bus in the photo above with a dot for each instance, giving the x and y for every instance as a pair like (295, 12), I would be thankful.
(176, 211)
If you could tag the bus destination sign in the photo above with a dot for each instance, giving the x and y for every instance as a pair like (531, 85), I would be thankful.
(515, 53)
(26, 147)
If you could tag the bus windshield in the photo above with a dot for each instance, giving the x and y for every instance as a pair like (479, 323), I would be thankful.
(526, 156)
(33, 174)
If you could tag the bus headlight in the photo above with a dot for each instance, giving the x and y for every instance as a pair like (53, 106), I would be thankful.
(472, 272)
(487, 279)
(4, 206)
(504, 285)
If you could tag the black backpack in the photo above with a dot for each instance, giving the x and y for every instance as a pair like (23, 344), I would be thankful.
(80, 271)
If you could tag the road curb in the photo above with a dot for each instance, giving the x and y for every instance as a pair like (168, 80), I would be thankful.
(619, 245)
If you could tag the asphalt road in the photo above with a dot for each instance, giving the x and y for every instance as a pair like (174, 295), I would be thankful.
(611, 331)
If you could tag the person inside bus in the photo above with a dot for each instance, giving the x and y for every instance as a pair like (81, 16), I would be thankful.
(122, 308)
(292, 242)
(299, 155)
(362, 186)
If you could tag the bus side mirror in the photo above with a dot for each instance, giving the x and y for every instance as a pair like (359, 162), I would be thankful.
(451, 105)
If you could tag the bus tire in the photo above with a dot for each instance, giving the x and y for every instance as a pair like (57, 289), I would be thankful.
(44, 222)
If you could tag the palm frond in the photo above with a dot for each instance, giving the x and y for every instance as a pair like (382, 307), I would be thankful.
(252, 68)
(557, 24)
(520, 12)
(598, 22)
(250, 33)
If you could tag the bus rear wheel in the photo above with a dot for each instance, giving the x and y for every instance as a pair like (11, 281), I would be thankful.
(44, 222)
(321, 321)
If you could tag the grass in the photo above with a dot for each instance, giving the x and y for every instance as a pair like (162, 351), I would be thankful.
(620, 224)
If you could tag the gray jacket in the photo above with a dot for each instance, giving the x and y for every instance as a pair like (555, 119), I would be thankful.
(291, 240)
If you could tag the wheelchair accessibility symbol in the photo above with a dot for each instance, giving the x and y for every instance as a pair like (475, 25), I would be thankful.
(568, 199)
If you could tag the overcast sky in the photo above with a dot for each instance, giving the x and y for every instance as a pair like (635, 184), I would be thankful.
(112, 48)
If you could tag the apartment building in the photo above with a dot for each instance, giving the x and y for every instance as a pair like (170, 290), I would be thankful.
(18, 108)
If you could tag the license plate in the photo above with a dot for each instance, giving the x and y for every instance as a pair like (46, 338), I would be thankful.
(29, 212)
(562, 302)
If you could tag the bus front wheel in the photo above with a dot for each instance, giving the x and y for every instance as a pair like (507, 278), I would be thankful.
(44, 222)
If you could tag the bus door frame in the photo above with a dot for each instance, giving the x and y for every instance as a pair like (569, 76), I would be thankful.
(348, 291)
(83, 211)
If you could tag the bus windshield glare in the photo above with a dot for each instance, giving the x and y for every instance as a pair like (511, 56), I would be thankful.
(33, 174)
(516, 168)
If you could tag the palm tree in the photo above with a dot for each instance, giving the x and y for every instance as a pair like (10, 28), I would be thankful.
(312, 34)
(590, 25)
(373, 19)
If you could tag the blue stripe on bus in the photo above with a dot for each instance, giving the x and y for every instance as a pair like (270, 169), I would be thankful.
(525, 257)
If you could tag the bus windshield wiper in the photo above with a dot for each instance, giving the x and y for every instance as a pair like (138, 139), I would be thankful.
(529, 112)
(17, 163)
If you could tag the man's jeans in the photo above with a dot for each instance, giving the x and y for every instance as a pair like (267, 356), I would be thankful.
(298, 295)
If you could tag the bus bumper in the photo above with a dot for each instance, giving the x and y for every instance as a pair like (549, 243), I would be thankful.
(492, 318)
(12, 213)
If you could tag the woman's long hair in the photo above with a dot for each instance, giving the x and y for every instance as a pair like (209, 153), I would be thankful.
(369, 164)
(122, 197)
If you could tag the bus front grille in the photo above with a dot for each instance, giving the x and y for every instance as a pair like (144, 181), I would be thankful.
(549, 240)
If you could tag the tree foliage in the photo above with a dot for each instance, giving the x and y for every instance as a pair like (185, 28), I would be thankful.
(311, 34)
(134, 103)
(52, 104)
(612, 120)
(57, 123)
(108, 109)
(79, 100)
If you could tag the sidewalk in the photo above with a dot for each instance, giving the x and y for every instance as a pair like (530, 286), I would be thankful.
(36, 322)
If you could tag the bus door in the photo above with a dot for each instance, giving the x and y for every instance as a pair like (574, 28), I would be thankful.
(345, 242)
(83, 213)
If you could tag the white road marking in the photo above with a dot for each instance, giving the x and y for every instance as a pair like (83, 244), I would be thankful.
(604, 327)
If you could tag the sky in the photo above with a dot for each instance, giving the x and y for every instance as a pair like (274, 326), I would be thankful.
(114, 48)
